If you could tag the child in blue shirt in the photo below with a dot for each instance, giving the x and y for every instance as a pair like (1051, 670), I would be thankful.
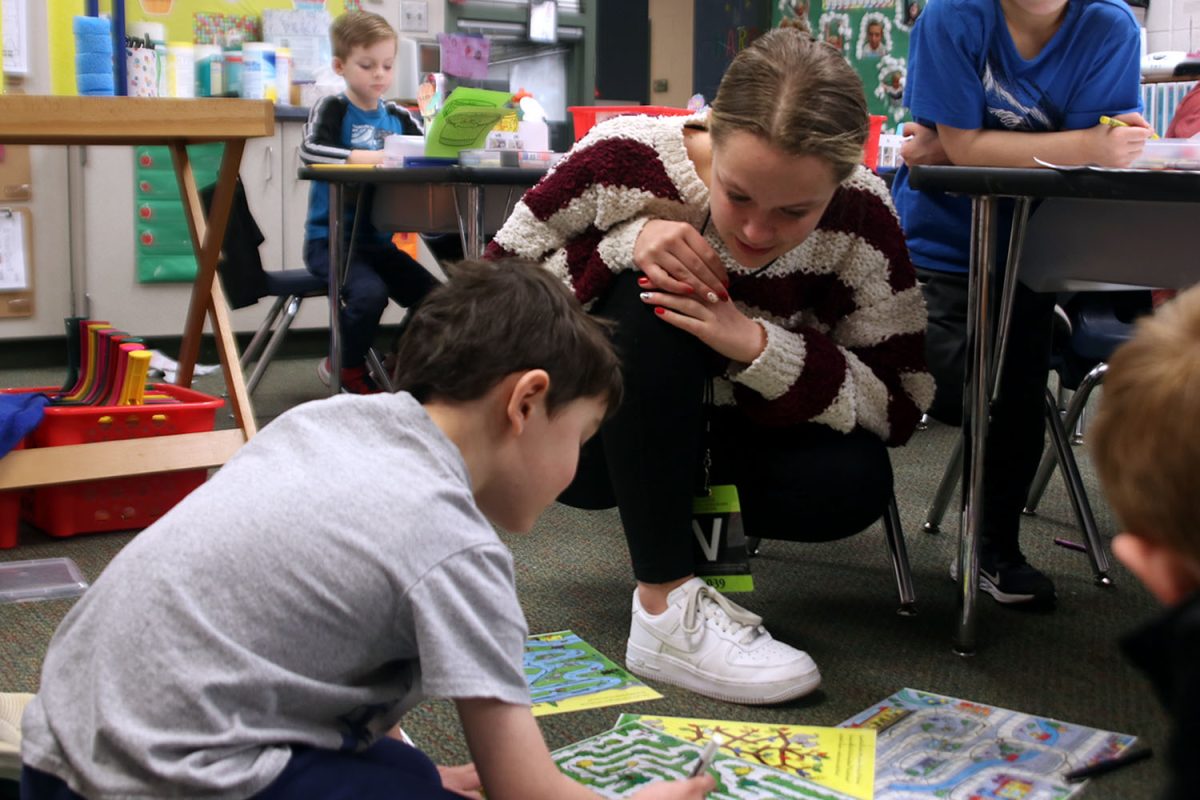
(998, 83)
(350, 128)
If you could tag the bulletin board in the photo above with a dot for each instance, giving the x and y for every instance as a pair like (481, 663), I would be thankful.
(873, 36)
(16, 262)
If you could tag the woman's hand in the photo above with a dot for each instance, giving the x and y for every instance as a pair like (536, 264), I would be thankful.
(721, 326)
(922, 146)
(462, 780)
(691, 789)
(676, 258)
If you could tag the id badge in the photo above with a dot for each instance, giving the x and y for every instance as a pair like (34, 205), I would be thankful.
(719, 541)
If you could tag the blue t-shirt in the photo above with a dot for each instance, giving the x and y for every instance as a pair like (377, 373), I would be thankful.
(965, 72)
(335, 127)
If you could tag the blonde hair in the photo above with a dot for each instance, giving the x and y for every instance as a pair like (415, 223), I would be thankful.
(797, 94)
(358, 29)
(1142, 440)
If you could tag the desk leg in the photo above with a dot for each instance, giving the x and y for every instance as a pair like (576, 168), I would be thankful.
(337, 271)
(975, 414)
(208, 234)
(468, 202)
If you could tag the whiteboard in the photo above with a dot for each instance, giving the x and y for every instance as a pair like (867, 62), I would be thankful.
(16, 36)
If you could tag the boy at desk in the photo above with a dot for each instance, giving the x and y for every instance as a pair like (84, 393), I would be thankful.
(998, 83)
(350, 128)
(263, 636)
(1149, 464)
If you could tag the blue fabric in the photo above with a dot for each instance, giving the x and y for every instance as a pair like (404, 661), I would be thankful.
(361, 130)
(965, 72)
(91, 25)
(19, 414)
(387, 769)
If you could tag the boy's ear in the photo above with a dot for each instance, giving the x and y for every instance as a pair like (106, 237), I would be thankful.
(1165, 572)
(529, 390)
(339, 66)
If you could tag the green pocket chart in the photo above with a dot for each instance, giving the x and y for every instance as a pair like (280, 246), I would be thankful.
(162, 241)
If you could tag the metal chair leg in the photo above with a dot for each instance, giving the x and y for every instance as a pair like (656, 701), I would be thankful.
(378, 373)
(281, 331)
(1080, 424)
(1074, 412)
(950, 478)
(894, 533)
(1077, 493)
(752, 543)
(260, 336)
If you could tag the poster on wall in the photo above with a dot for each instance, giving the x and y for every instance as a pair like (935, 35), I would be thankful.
(872, 35)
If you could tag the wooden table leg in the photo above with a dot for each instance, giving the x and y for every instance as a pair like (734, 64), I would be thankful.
(208, 233)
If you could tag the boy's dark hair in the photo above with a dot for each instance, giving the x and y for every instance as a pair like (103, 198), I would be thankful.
(496, 318)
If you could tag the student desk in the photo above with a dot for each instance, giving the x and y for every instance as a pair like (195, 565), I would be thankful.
(1093, 229)
(470, 201)
(175, 123)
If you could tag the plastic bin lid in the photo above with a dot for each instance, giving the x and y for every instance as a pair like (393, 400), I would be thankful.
(40, 579)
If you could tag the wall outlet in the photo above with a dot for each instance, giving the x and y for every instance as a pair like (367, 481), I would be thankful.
(414, 16)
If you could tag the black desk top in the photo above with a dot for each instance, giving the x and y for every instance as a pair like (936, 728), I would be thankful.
(480, 176)
(1161, 185)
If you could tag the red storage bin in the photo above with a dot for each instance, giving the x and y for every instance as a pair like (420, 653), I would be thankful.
(10, 512)
(587, 116)
(116, 504)
(871, 148)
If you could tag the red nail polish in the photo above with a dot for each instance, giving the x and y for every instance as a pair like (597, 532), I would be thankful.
(643, 281)
(725, 296)
(660, 310)
(689, 290)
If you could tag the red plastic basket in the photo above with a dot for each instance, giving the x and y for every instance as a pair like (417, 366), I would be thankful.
(116, 504)
(587, 116)
(10, 512)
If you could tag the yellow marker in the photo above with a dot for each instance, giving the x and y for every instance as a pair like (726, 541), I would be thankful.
(344, 166)
(1116, 123)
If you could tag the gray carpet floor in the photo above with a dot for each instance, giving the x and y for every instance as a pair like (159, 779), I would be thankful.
(838, 601)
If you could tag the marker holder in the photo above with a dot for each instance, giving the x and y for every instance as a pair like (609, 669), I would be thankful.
(112, 504)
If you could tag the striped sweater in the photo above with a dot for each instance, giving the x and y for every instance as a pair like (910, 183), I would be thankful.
(844, 317)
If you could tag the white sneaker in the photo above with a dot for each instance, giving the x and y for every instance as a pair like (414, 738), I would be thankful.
(706, 643)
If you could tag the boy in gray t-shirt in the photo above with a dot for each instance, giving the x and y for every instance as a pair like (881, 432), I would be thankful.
(263, 637)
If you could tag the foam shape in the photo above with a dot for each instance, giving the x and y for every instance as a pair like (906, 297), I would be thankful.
(93, 64)
(95, 83)
(92, 25)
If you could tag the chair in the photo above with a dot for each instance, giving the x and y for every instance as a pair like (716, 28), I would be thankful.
(1100, 323)
(245, 282)
(893, 532)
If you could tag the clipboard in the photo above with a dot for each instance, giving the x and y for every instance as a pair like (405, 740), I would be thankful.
(16, 230)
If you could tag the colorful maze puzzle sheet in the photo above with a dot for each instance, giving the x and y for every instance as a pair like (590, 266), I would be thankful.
(566, 673)
(840, 759)
(933, 746)
(619, 762)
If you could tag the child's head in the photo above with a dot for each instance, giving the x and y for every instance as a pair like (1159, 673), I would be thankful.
(364, 53)
(788, 126)
(1147, 457)
(797, 94)
(494, 319)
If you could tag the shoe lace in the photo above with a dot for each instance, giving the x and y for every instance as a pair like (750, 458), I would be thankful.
(707, 604)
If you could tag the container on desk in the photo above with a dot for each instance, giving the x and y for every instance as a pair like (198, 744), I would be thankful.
(115, 504)
(530, 159)
(587, 116)
(1170, 154)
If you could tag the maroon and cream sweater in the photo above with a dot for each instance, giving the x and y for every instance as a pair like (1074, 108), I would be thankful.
(844, 317)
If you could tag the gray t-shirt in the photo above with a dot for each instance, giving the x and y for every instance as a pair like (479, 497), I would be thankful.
(330, 576)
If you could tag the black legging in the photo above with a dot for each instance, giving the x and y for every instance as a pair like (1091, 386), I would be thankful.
(804, 483)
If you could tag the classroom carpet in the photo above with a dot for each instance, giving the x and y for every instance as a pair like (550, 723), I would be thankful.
(837, 601)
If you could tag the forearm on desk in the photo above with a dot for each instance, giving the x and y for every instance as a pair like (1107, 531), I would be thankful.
(982, 148)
